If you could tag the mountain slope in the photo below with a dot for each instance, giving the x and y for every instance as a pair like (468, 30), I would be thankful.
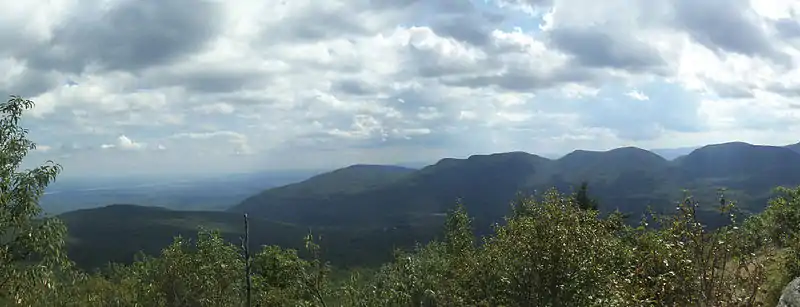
(737, 160)
(304, 201)
(750, 171)
(412, 199)
(608, 166)
(116, 233)
(348, 180)
(795, 147)
(628, 179)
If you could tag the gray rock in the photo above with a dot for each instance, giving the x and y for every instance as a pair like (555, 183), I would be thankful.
(791, 294)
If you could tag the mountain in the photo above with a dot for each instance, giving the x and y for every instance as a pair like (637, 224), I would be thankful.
(348, 180)
(739, 161)
(795, 147)
(629, 179)
(115, 233)
(750, 170)
(294, 201)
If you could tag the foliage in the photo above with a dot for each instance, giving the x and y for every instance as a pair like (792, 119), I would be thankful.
(780, 224)
(30, 248)
(781, 218)
(551, 252)
(583, 199)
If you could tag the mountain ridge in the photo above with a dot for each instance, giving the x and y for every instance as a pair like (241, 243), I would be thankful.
(626, 178)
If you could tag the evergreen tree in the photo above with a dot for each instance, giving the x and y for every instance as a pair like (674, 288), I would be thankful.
(583, 199)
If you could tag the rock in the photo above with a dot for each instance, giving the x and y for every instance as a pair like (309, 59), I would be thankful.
(791, 294)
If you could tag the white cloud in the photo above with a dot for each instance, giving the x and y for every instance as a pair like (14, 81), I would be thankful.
(253, 84)
(124, 143)
(638, 95)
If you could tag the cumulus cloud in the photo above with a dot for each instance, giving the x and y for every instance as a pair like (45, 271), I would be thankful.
(243, 84)
(124, 143)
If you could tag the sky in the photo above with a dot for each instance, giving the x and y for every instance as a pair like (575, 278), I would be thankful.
(200, 86)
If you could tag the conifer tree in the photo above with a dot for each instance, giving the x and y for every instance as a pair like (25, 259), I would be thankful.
(583, 199)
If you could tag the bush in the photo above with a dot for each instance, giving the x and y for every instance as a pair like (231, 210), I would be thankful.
(554, 252)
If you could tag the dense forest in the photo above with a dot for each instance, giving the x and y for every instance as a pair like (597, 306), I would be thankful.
(551, 249)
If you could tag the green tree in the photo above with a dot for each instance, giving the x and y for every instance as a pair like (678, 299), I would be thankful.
(781, 219)
(582, 198)
(31, 248)
(207, 273)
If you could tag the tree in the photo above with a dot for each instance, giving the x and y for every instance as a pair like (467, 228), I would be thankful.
(30, 247)
(583, 199)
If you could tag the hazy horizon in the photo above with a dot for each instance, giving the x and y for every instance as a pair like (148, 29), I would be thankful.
(145, 178)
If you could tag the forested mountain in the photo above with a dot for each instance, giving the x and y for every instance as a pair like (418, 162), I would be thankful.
(629, 179)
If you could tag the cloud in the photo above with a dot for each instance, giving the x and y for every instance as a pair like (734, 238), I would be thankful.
(127, 35)
(124, 143)
(219, 86)
(637, 95)
(727, 26)
(593, 48)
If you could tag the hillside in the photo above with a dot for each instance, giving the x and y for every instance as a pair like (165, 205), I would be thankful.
(795, 147)
(349, 187)
(751, 170)
(348, 180)
(629, 179)
(115, 233)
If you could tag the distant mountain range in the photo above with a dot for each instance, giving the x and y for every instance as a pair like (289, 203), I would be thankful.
(629, 179)
(365, 211)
